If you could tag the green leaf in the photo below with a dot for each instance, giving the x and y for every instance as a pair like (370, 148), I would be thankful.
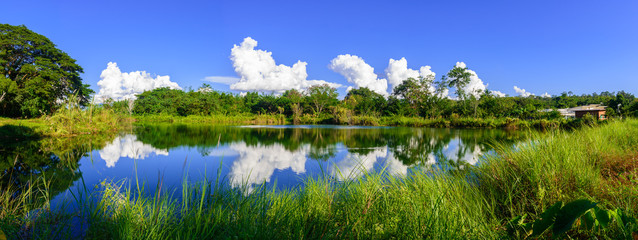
(569, 213)
(602, 216)
(546, 219)
(589, 220)
(615, 214)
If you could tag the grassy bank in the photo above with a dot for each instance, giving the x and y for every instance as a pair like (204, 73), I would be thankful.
(510, 195)
(67, 122)
(403, 121)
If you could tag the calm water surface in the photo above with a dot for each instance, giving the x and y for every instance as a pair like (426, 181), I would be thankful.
(245, 156)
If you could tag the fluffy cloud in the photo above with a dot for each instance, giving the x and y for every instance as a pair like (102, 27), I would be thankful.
(546, 95)
(127, 146)
(258, 72)
(357, 71)
(398, 71)
(117, 85)
(475, 86)
(498, 93)
(522, 92)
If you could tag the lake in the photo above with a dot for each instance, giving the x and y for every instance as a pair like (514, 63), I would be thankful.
(243, 156)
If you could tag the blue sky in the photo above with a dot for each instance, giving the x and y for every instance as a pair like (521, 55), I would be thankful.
(541, 46)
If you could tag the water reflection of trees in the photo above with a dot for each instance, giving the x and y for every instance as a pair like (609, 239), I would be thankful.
(31, 161)
(450, 147)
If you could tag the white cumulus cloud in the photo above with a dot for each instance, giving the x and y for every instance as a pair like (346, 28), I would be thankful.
(522, 92)
(398, 71)
(546, 95)
(117, 85)
(498, 93)
(357, 71)
(259, 72)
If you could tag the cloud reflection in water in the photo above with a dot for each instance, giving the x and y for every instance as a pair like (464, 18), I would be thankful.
(256, 164)
(127, 146)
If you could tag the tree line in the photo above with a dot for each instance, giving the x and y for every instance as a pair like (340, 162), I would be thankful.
(414, 98)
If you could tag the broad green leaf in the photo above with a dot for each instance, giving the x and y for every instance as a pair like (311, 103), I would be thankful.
(602, 216)
(569, 213)
(614, 214)
(589, 220)
(546, 219)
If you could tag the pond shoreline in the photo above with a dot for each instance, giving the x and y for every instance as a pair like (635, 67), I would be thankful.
(397, 121)
(78, 122)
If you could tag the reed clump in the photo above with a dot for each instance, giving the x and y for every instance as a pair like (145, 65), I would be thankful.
(72, 119)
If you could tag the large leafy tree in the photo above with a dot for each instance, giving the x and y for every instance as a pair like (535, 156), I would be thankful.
(366, 101)
(34, 74)
(421, 95)
(291, 99)
(321, 96)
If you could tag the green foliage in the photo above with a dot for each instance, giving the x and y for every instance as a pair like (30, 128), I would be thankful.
(365, 102)
(561, 218)
(179, 103)
(458, 78)
(321, 97)
(35, 75)
(632, 110)
(420, 95)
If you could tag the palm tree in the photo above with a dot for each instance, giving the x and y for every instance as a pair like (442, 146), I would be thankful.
(458, 78)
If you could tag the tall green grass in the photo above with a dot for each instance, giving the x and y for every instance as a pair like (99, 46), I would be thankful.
(70, 120)
(564, 167)
(475, 203)
(380, 206)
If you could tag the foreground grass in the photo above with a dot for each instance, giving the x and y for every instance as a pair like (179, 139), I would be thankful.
(599, 164)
